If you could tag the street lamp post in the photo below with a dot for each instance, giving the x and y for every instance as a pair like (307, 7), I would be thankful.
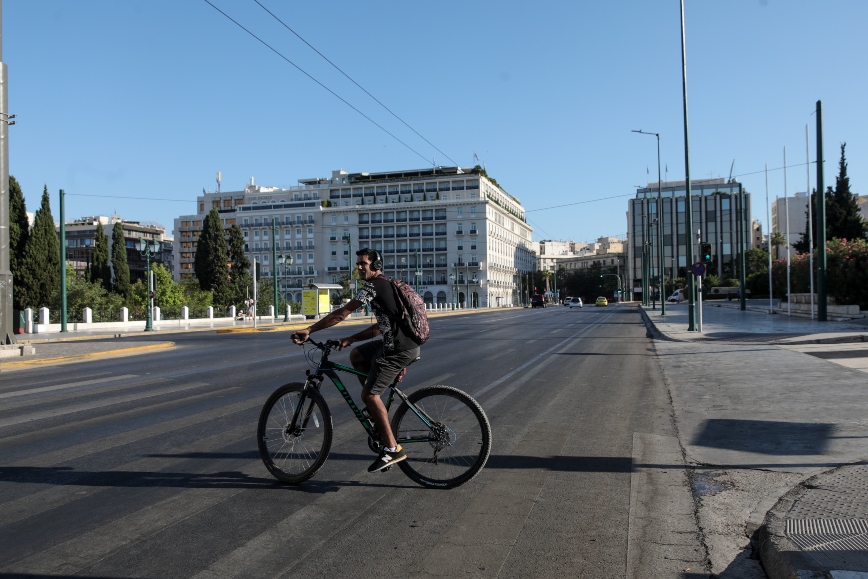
(286, 262)
(660, 223)
(454, 290)
(146, 248)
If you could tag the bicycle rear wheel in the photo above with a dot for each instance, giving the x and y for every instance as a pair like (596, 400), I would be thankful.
(294, 454)
(454, 448)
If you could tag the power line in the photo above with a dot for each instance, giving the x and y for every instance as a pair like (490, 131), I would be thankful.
(579, 203)
(353, 81)
(336, 95)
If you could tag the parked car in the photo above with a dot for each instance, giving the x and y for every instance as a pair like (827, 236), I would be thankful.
(576, 303)
(537, 301)
(601, 301)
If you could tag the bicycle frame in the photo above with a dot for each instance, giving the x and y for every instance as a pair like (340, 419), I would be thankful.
(330, 369)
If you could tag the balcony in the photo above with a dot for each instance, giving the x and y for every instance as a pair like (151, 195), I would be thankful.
(365, 236)
(475, 231)
(333, 268)
(333, 237)
(376, 220)
(345, 268)
(363, 221)
(388, 221)
(430, 218)
(401, 220)
(473, 263)
(439, 233)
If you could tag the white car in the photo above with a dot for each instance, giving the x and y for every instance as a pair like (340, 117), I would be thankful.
(576, 303)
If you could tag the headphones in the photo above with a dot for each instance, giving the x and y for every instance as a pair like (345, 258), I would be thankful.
(377, 262)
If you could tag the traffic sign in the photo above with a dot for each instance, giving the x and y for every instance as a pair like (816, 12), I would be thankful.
(698, 268)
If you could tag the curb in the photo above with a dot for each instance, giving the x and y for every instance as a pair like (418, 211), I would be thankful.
(780, 558)
(105, 354)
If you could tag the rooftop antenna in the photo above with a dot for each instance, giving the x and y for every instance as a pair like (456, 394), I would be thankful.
(219, 178)
(730, 171)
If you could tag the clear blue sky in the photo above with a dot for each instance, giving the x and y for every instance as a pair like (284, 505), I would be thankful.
(139, 98)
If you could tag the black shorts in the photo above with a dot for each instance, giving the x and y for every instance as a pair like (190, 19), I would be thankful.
(383, 368)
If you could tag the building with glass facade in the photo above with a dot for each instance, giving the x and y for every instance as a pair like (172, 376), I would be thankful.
(719, 214)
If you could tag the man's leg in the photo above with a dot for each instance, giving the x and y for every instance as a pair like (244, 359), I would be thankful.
(383, 372)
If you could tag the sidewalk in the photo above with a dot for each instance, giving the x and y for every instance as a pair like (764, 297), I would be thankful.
(770, 402)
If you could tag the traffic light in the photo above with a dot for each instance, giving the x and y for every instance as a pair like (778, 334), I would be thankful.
(706, 252)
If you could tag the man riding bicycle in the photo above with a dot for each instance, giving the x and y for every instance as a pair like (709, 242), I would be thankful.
(382, 359)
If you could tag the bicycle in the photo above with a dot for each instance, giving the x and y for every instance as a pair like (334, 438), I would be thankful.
(444, 431)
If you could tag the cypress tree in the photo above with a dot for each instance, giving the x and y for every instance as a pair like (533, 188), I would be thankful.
(39, 269)
(845, 222)
(100, 272)
(122, 284)
(210, 265)
(240, 270)
(19, 232)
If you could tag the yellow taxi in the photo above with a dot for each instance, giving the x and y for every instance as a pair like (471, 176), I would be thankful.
(601, 301)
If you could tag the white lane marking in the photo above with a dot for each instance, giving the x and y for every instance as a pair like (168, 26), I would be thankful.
(64, 386)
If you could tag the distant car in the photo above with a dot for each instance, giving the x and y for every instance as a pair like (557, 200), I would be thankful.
(537, 301)
(576, 303)
(601, 301)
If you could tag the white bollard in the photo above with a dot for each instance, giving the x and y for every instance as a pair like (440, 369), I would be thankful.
(125, 314)
(43, 316)
(210, 312)
(288, 311)
(185, 313)
(156, 314)
(270, 311)
(87, 315)
(232, 312)
(28, 320)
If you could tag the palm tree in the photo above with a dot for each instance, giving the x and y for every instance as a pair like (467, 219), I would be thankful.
(777, 239)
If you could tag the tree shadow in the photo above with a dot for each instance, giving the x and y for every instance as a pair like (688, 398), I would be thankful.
(765, 436)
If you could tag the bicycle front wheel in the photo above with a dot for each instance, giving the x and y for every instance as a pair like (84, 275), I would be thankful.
(293, 453)
(445, 434)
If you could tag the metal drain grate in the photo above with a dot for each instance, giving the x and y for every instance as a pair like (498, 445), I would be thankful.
(834, 543)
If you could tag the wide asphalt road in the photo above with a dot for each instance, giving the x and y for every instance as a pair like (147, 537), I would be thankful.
(147, 466)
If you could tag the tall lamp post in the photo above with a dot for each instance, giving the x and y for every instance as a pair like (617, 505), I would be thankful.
(454, 290)
(146, 248)
(286, 262)
(660, 222)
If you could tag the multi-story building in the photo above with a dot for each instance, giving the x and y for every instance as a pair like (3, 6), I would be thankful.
(81, 233)
(453, 233)
(716, 210)
(796, 208)
(608, 252)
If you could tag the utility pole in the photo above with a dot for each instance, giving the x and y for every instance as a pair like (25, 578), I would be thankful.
(691, 284)
(821, 221)
(64, 313)
(274, 262)
(7, 333)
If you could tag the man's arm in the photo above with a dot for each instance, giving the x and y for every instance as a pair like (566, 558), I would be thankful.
(334, 318)
(366, 334)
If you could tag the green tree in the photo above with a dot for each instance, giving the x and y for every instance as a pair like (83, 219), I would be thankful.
(19, 232)
(777, 239)
(82, 293)
(756, 260)
(40, 267)
(211, 262)
(121, 268)
(845, 222)
(239, 271)
(100, 272)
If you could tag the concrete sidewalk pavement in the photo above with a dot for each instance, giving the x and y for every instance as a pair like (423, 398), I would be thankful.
(771, 415)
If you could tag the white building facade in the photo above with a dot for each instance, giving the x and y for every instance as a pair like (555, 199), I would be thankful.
(452, 233)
